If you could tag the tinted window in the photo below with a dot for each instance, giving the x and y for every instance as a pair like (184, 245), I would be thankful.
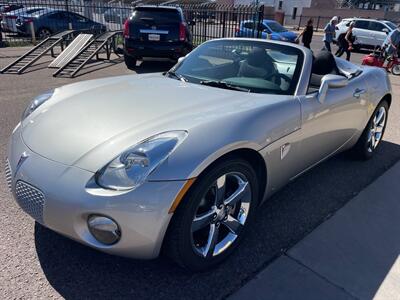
(362, 24)
(248, 25)
(156, 16)
(258, 67)
(78, 18)
(391, 25)
(375, 26)
(58, 15)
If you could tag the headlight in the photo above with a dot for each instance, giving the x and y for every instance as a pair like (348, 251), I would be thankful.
(130, 169)
(36, 102)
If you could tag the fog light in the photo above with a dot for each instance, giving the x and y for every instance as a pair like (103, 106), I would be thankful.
(104, 229)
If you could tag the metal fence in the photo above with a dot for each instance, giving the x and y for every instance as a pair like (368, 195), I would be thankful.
(300, 21)
(206, 21)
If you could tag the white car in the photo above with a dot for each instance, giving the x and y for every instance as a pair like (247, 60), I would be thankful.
(369, 33)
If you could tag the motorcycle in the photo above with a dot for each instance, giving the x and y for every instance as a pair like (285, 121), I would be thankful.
(378, 59)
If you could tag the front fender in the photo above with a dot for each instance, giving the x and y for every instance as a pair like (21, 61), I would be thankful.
(254, 129)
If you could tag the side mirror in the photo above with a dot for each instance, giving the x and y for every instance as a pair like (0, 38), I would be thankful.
(181, 59)
(330, 81)
(385, 30)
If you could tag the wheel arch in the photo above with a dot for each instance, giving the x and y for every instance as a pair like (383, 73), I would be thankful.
(387, 98)
(251, 156)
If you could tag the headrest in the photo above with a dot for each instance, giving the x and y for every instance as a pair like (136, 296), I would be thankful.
(257, 57)
(324, 63)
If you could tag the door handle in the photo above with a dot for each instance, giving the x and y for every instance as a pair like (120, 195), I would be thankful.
(358, 92)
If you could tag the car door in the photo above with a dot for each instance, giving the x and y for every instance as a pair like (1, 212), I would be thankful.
(362, 33)
(377, 33)
(327, 126)
(80, 22)
(248, 29)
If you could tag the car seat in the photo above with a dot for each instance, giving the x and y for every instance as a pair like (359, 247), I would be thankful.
(258, 64)
(323, 63)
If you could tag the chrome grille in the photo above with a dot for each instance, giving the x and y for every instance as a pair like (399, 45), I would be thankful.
(30, 199)
(8, 174)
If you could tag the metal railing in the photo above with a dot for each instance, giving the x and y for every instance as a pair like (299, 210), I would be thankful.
(206, 21)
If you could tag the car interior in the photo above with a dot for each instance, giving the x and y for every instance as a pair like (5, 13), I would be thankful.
(259, 69)
(324, 63)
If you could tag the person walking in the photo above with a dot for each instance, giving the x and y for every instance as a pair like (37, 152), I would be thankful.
(329, 31)
(392, 42)
(345, 41)
(307, 34)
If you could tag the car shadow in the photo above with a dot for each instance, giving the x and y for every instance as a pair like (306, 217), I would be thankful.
(77, 271)
(97, 65)
(154, 66)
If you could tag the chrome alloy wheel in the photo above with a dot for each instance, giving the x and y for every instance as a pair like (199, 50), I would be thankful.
(376, 129)
(221, 214)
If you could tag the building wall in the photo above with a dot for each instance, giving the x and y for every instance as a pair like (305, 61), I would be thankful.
(324, 4)
(287, 5)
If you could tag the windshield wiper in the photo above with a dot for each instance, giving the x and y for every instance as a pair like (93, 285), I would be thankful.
(174, 74)
(224, 85)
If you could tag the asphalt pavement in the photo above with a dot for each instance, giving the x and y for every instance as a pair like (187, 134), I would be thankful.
(38, 263)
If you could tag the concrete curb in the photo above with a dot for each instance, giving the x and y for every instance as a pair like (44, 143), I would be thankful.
(353, 255)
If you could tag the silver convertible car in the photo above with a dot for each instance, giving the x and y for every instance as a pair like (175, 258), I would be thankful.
(179, 162)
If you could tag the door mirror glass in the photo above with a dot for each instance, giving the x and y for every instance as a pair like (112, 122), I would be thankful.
(330, 81)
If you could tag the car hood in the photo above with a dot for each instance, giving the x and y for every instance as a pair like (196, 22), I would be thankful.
(116, 113)
(289, 35)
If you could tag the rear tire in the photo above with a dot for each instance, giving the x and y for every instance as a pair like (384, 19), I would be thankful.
(130, 62)
(43, 33)
(369, 141)
(189, 239)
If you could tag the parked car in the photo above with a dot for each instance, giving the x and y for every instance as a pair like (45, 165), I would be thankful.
(9, 19)
(5, 8)
(369, 33)
(49, 21)
(268, 29)
(156, 31)
(181, 161)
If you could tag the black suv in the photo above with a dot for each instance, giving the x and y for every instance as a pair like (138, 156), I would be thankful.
(156, 31)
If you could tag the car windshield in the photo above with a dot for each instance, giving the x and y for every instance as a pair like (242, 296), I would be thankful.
(276, 27)
(391, 25)
(251, 66)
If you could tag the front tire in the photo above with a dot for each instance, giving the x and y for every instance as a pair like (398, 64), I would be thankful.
(43, 33)
(212, 218)
(372, 135)
(396, 69)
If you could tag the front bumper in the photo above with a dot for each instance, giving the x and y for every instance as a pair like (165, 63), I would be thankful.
(70, 196)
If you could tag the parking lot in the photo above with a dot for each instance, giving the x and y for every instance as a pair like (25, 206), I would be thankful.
(38, 263)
